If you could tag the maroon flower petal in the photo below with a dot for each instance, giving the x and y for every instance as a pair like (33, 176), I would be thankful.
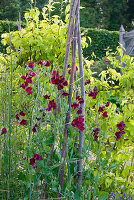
(23, 122)
(22, 113)
(87, 82)
(121, 125)
(65, 94)
(17, 117)
(23, 86)
(100, 109)
(47, 64)
(105, 114)
(3, 131)
(107, 104)
(30, 65)
(29, 91)
(75, 105)
(23, 77)
(40, 62)
(32, 161)
(46, 96)
(32, 74)
(34, 129)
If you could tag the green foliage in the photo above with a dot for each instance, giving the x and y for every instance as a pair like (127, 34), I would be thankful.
(106, 163)
(101, 41)
(4, 28)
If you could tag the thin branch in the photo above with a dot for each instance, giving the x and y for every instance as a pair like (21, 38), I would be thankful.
(69, 34)
(81, 138)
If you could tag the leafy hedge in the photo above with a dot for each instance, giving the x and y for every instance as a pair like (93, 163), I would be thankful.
(5, 28)
(101, 40)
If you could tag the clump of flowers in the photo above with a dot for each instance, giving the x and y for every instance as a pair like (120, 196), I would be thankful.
(93, 93)
(23, 121)
(35, 157)
(121, 127)
(101, 110)
(95, 134)
(28, 80)
(58, 80)
(51, 105)
(47, 64)
(78, 122)
(3, 131)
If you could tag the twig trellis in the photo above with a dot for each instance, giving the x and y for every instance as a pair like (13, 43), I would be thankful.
(75, 35)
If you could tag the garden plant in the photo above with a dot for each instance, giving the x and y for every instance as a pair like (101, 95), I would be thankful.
(65, 133)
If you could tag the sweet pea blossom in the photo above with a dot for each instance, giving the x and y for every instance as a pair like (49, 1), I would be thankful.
(30, 65)
(121, 125)
(3, 131)
(105, 114)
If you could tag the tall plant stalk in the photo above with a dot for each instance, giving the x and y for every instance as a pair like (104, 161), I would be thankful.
(10, 113)
(81, 138)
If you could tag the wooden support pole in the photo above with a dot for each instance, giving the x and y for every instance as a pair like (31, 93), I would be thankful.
(81, 138)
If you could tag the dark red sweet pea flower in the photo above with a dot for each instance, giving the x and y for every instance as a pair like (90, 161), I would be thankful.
(26, 84)
(68, 66)
(40, 62)
(121, 125)
(93, 95)
(75, 105)
(118, 135)
(22, 113)
(30, 65)
(76, 68)
(23, 85)
(60, 87)
(95, 89)
(37, 157)
(107, 104)
(47, 64)
(32, 74)
(29, 80)
(23, 77)
(24, 158)
(69, 72)
(34, 129)
(51, 105)
(87, 82)
(46, 96)
(65, 83)
(81, 100)
(3, 131)
(79, 112)
(78, 122)
(64, 94)
(105, 114)
(36, 125)
(96, 132)
(61, 79)
(77, 98)
(100, 109)
(23, 122)
(32, 161)
(29, 90)
(17, 117)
